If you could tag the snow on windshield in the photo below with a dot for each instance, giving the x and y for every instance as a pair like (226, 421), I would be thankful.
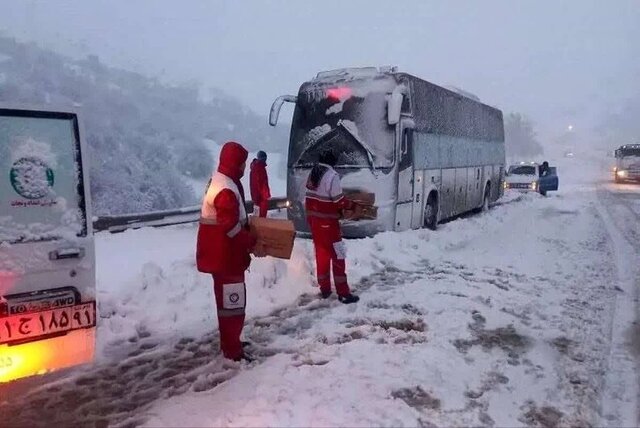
(360, 107)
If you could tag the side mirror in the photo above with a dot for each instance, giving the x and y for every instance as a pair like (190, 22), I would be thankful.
(277, 105)
(394, 106)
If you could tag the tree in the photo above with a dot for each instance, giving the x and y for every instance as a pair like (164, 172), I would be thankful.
(520, 137)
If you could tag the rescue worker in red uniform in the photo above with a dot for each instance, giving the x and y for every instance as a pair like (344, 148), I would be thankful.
(324, 203)
(259, 184)
(224, 246)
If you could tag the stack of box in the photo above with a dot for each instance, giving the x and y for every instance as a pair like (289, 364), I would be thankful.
(276, 236)
(364, 206)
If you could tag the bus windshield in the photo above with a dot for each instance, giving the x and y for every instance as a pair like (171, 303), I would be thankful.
(349, 120)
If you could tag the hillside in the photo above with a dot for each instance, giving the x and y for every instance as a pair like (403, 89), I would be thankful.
(146, 138)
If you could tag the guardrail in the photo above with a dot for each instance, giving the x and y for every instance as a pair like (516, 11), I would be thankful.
(120, 223)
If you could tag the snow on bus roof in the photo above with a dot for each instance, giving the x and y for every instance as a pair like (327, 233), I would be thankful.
(354, 72)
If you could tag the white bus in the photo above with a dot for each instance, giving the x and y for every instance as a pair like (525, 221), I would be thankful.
(428, 153)
(47, 257)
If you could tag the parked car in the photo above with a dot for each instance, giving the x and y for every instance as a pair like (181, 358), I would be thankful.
(532, 177)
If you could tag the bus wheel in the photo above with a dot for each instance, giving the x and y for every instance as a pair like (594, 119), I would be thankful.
(431, 212)
(485, 199)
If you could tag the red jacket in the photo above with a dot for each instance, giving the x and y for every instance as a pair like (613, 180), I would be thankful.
(259, 182)
(324, 199)
(224, 241)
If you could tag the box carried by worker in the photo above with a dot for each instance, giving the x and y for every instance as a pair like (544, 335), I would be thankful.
(363, 205)
(276, 236)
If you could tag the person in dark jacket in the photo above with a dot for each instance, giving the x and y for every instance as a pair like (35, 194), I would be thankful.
(259, 184)
(544, 169)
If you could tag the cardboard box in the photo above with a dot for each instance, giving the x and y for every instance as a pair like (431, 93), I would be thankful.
(361, 212)
(360, 197)
(364, 208)
(276, 235)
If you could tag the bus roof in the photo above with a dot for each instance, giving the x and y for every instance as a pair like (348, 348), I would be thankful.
(436, 109)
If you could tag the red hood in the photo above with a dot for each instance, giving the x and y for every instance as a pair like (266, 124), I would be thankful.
(232, 156)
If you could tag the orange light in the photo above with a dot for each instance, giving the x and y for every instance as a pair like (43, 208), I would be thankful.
(36, 358)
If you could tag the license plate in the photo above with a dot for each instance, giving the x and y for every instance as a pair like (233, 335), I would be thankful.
(20, 328)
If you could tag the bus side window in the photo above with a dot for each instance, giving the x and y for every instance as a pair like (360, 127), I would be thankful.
(406, 149)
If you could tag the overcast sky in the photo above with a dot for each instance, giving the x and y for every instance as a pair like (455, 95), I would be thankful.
(559, 62)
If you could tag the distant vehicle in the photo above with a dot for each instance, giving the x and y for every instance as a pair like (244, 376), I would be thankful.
(627, 163)
(427, 153)
(568, 154)
(47, 266)
(527, 177)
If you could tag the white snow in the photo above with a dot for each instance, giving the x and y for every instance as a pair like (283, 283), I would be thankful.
(503, 318)
(493, 317)
(27, 147)
(336, 108)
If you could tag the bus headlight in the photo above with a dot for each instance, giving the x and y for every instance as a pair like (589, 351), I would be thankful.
(534, 185)
(505, 185)
(621, 173)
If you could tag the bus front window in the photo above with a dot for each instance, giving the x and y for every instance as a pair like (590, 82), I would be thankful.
(350, 122)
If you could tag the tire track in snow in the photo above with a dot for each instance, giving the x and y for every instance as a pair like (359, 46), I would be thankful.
(113, 394)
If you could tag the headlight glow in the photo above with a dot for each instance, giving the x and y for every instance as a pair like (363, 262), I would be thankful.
(621, 173)
(534, 185)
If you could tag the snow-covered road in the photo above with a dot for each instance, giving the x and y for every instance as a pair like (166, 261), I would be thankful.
(521, 316)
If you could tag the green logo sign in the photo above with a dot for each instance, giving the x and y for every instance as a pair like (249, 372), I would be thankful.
(31, 178)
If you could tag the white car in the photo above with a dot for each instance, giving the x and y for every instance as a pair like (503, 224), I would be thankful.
(526, 177)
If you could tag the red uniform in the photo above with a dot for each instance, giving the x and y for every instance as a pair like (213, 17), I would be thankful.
(224, 244)
(324, 203)
(259, 184)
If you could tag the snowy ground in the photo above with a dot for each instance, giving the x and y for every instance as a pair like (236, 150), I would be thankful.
(521, 316)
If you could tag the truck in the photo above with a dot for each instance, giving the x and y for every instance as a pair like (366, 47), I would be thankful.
(426, 152)
(627, 163)
(47, 256)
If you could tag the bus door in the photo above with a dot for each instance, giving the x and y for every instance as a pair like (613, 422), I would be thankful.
(474, 190)
(404, 207)
(47, 269)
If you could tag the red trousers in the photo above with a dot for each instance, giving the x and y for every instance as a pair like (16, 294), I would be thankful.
(264, 207)
(230, 292)
(330, 253)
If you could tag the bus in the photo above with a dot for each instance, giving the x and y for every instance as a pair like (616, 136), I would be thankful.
(426, 152)
(47, 256)
(627, 163)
